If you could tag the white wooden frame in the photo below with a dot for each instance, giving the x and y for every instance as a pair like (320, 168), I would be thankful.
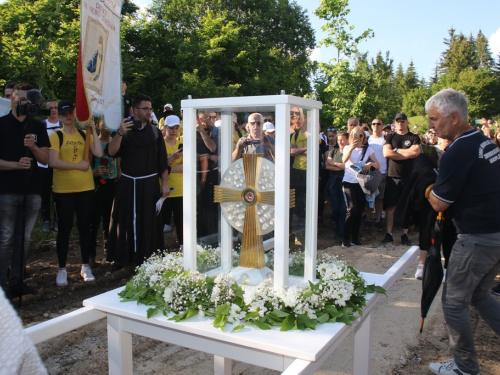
(280, 104)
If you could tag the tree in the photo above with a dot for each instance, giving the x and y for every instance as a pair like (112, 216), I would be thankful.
(414, 101)
(484, 59)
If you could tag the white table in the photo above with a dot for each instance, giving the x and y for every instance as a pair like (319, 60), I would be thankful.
(291, 352)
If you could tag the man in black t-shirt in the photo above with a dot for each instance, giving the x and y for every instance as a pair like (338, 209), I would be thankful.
(23, 143)
(400, 148)
(468, 183)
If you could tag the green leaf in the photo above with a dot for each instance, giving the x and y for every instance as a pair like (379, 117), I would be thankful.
(344, 319)
(223, 309)
(323, 318)
(288, 323)
(306, 321)
(152, 312)
(263, 326)
(238, 327)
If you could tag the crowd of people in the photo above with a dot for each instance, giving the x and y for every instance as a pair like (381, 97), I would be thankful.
(136, 172)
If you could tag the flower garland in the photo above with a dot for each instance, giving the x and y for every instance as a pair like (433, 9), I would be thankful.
(161, 282)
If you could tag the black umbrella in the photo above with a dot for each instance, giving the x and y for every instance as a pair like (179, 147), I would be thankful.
(433, 270)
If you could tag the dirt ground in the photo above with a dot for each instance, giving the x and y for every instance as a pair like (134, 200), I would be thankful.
(398, 348)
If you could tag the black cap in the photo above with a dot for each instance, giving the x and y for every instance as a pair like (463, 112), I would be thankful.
(65, 106)
(400, 115)
(388, 126)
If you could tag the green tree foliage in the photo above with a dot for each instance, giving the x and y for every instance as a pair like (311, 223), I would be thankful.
(39, 44)
(212, 48)
(414, 101)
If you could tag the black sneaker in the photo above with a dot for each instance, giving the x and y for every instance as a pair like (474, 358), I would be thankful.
(25, 290)
(496, 290)
(388, 238)
(405, 240)
(368, 224)
(378, 226)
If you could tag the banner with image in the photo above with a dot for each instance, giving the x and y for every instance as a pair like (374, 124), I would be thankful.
(98, 89)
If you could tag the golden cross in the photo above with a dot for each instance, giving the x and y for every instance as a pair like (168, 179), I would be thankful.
(252, 248)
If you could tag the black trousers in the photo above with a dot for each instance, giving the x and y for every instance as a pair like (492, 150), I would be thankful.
(45, 178)
(355, 202)
(174, 205)
(67, 204)
(103, 203)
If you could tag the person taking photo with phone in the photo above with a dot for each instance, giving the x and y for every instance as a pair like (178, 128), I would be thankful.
(135, 231)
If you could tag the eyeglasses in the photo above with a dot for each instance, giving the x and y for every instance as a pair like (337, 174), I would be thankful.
(432, 133)
(294, 113)
(268, 120)
(376, 123)
(147, 109)
(400, 120)
(331, 130)
(254, 123)
(210, 117)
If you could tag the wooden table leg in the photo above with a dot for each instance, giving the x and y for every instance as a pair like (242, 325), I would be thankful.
(119, 347)
(222, 366)
(363, 347)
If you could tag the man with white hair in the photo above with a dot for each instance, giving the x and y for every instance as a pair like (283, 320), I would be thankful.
(468, 185)
(256, 142)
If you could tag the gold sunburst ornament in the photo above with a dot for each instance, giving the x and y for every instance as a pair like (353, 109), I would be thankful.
(246, 195)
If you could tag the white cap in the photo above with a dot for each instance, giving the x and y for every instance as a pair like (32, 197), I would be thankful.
(172, 120)
(268, 126)
(168, 105)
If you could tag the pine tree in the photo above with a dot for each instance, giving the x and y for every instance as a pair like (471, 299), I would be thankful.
(483, 52)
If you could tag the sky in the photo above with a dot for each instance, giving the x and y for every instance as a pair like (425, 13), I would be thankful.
(413, 30)
(410, 30)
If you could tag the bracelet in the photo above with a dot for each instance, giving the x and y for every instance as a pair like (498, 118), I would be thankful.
(120, 134)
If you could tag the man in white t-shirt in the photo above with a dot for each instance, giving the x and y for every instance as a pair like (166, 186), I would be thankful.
(376, 142)
(45, 172)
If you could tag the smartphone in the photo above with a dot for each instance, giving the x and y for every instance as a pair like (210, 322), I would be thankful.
(137, 124)
(180, 146)
(358, 135)
(104, 162)
(477, 122)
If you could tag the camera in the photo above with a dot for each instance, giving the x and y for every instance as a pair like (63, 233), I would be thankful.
(358, 135)
(253, 142)
(31, 110)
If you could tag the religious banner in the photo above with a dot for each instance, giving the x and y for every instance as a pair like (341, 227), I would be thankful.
(98, 89)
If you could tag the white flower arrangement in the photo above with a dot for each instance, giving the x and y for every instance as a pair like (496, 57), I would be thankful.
(161, 282)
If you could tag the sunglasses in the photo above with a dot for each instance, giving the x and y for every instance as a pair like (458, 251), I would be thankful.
(432, 133)
(400, 120)
(331, 130)
(268, 120)
(254, 123)
(376, 123)
(294, 113)
(342, 132)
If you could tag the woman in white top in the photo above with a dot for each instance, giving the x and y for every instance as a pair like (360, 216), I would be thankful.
(357, 151)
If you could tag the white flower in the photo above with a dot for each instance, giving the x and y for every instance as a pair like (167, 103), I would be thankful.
(167, 295)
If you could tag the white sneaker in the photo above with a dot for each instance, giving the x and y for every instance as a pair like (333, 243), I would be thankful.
(448, 367)
(62, 278)
(420, 272)
(86, 273)
(167, 228)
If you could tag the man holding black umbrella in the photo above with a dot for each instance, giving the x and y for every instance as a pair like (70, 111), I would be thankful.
(468, 184)
(23, 142)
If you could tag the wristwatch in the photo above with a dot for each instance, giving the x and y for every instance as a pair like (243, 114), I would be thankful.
(395, 149)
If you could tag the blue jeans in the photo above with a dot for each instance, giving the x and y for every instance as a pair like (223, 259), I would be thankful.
(339, 208)
(474, 263)
(11, 215)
